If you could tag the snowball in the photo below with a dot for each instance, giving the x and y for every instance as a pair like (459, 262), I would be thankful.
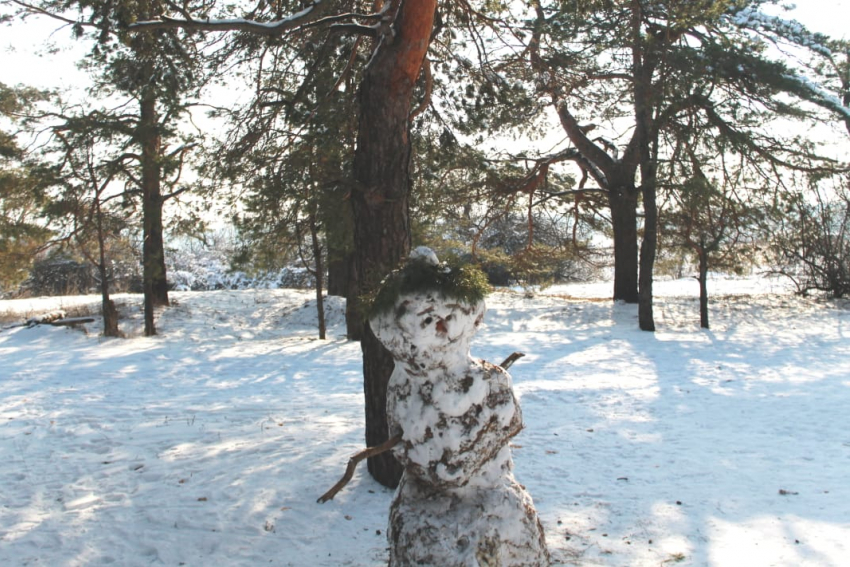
(425, 254)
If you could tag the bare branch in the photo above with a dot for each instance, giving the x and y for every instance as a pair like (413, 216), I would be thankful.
(309, 15)
(354, 461)
(358, 29)
(38, 10)
(429, 87)
(509, 361)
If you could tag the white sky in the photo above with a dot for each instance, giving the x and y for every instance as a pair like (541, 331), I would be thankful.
(26, 60)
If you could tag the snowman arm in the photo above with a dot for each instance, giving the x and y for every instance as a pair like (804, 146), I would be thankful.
(508, 362)
(354, 461)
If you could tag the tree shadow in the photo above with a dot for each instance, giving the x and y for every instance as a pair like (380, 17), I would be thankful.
(687, 447)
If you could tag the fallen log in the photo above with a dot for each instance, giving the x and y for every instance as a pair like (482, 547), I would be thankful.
(71, 321)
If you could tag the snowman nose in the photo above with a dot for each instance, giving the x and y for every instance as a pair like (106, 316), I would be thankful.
(441, 326)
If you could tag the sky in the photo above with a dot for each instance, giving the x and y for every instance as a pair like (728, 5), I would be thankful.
(26, 60)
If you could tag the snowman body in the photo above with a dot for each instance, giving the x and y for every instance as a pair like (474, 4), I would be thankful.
(458, 504)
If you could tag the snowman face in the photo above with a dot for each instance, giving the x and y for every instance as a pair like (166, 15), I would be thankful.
(424, 325)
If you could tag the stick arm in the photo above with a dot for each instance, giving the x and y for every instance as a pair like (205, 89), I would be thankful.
(354, 461)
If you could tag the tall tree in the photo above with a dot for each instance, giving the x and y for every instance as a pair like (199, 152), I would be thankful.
(380, 197)
(381, 164)
(157, 72)
(21, 235)
(634, 68)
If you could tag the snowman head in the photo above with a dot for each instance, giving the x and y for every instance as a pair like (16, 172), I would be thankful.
(426, 313)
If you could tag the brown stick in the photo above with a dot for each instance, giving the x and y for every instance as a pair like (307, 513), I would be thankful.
(511, 359)
(354, 461)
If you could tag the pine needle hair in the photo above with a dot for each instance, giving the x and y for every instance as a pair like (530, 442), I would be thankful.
(463, 282)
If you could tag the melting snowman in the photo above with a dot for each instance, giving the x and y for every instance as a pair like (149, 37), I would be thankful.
(458, 504)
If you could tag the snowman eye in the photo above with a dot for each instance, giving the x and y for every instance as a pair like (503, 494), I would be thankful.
(450, 317)
(428, 320)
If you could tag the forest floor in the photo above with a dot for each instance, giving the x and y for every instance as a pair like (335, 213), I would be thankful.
(209, 444)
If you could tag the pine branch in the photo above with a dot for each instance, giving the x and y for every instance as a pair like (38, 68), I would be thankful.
(306, 16)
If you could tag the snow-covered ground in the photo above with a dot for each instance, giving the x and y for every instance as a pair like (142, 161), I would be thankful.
(209, 444)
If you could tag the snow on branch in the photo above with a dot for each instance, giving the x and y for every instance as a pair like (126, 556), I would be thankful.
(791, 30)
(313, 15)
(820, 97)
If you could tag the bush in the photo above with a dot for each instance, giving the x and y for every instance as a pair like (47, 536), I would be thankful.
(813, 246)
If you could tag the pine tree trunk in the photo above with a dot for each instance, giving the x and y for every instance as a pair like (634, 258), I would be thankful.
(339, 272)
(320, 275)
(703, 289)
(623, 207)
(108, 310)
(153, 250)
(380, 197)
(646, 318)
(649, 246)
(110, 317)
(646, 136)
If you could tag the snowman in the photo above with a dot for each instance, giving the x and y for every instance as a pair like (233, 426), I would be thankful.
(458, 504)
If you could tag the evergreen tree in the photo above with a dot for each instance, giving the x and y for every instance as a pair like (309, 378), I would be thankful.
(633, 69)
(380, 189)
(82, 172)
(155, 74)
(712, 209)
(21, 235)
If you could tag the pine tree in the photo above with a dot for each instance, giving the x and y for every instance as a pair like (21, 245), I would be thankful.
(21, 235)
(380, 190)
(155, 72)
(634, 69)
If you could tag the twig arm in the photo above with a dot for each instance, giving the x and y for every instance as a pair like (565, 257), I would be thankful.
(354, 461)
(511, 359)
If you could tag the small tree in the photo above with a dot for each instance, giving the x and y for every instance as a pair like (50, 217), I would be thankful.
(86, 198)
(709, 220)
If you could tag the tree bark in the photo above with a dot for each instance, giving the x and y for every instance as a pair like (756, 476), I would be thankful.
(320, 275)
(649, 245)
(380, 197)
(646, 318)
(623, 205)
(339, 272)
(108, 310)
(703, 288)
(153, 249)
(646, 139)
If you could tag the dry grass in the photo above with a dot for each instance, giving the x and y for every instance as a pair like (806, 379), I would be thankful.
(9, 318)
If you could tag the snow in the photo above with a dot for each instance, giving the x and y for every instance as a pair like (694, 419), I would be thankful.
(822, 97)
(282, 23)
(209, 444)
(792, 29)
(425, 254)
